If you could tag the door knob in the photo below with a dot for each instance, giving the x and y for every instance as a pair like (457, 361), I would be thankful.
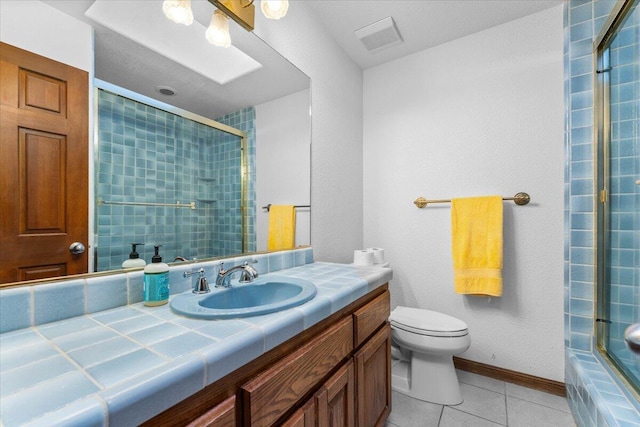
(632, 338)
(76, 248)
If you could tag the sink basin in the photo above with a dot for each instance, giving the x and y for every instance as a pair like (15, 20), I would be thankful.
(262, 296)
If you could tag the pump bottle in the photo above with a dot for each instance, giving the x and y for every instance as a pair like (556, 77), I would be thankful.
(156, 281)
(134, 258)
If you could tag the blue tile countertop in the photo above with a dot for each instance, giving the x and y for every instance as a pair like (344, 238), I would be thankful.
(124, 365)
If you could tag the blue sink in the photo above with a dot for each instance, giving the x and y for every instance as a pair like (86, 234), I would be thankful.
(262, 296)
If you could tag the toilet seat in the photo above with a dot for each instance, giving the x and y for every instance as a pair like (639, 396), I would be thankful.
(426, 322)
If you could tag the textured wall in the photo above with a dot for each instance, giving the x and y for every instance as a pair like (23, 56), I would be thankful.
(479, 115)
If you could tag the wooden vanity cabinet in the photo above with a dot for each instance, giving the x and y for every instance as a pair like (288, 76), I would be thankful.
(335, 401)
(373, 379)
(221, 415)
(303, 417)
(336, 373)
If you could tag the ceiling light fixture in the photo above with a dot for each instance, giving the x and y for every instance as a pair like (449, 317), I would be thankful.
(218, 32)
(179, 11)
(241, 11)
(274, 9)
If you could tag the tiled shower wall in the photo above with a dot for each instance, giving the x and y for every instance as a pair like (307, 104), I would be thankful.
(147, 155)
(625, 170)
(596, 397)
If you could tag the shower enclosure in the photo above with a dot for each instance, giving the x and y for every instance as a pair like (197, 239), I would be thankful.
(166, 177)
(618, 188)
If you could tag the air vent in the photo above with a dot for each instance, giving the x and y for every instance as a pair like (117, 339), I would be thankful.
(379, 35)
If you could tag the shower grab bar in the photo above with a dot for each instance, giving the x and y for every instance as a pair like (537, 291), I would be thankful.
(191, 205)
(268, 207)
(519, 199)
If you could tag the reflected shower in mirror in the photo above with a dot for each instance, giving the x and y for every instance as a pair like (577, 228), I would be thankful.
(161, 174)
(274, 91)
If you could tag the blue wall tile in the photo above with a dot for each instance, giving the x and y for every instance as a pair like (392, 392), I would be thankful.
(15, 309)
(57, 301)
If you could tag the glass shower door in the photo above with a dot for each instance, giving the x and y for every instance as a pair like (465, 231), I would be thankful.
(619, 191)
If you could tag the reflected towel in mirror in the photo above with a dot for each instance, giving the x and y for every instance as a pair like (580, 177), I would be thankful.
(282, 227)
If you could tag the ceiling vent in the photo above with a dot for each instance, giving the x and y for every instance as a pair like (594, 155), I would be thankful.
(379, 35)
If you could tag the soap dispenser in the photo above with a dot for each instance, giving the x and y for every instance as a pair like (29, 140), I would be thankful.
(134, 258)
(156, 281)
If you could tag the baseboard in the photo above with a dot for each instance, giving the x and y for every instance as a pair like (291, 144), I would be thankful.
(525, 380)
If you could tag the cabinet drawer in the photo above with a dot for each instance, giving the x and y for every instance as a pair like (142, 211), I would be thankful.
(368, 319)
(280, 387)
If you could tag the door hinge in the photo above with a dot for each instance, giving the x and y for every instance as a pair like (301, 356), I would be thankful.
(604, 196)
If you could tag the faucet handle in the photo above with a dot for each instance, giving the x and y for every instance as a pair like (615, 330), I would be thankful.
(202, 285)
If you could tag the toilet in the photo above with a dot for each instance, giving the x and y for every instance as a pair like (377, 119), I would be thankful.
(422, 349)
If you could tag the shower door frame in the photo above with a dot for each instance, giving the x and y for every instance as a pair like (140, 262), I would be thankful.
(602, 140)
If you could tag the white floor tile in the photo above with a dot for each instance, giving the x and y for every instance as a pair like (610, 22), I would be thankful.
(539, 397)
(483, 403)
(527, 414)
(487, 403)
(480, 381)
(408, 412)
(454, 418)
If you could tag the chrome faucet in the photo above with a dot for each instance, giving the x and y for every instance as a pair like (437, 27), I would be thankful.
(223, 280)
(201, 286)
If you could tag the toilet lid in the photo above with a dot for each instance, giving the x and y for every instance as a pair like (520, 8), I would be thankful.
(427, 322)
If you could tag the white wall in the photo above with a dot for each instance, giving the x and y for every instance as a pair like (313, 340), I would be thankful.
(336, 122)
(480, 115)
(42, 29)
(283, 174)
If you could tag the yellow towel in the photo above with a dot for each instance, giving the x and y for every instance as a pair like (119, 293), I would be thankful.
(282, 227)
(476, 235)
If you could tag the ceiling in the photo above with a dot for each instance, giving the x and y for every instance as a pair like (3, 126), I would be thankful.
(421, 23)
(129, 64)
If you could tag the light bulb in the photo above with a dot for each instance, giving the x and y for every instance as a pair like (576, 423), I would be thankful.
(179, 11)
(274, 9)
(218, 32)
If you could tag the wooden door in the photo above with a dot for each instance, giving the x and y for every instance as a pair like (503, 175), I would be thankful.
(373, 380)
(335, 399)
(43, 166)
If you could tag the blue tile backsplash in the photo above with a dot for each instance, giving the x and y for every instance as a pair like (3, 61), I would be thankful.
(26, 306)
(147, 155)
(595, 395)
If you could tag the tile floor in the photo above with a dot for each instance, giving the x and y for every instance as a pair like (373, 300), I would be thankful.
(487, 403)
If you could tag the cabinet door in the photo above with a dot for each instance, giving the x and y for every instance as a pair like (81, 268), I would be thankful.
(278, 389)
(222, 415)
(303, 417)
(373, 380)
(335, 399)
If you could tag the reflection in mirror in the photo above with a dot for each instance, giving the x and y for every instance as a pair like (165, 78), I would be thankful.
(275, 92)
(162, 174)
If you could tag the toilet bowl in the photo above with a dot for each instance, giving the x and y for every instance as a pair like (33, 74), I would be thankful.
(423, 345)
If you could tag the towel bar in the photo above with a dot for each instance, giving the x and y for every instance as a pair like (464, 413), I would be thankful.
(519, 199)
(268, 207)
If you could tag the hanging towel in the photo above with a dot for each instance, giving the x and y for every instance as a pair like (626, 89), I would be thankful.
(282, 227)
(476, 237)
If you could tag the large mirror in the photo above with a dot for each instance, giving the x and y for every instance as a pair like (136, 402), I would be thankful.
(257, 111)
